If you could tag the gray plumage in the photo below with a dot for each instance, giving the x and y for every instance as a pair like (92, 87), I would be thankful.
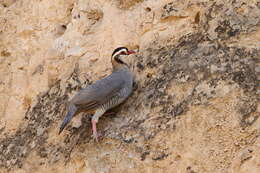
(116, 86)
(101, 96)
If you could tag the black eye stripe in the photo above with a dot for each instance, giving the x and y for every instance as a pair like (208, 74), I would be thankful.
(119, 49)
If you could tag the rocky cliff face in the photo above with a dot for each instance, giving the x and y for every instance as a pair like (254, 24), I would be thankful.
(195, 107)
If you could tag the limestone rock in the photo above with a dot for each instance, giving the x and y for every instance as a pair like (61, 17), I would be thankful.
(195, 106)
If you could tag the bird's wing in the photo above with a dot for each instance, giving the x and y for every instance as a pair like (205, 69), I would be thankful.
(98, 93)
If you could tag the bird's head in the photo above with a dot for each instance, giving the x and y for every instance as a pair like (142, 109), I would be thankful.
(118, 54)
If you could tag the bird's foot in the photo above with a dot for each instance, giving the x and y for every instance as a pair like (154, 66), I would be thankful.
(96, 136)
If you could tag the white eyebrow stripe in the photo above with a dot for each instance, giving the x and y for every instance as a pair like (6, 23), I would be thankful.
(122, 50)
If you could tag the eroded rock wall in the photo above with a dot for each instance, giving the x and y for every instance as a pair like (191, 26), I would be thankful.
(195, 107)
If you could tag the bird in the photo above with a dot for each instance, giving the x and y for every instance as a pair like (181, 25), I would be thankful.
(105, 93)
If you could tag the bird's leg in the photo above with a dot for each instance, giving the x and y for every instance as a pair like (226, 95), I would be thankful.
(94, 129)
(94, 120)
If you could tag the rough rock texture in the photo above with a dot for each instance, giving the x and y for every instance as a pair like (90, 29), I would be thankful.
(195, 107)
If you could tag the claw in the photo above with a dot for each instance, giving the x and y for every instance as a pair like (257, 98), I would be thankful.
(95, 136)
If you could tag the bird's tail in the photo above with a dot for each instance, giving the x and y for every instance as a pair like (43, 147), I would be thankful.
(72, 110)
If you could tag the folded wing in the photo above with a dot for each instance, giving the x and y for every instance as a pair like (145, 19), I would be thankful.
(98, 93)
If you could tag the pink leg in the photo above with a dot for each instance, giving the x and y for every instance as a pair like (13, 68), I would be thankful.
(94, 129)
